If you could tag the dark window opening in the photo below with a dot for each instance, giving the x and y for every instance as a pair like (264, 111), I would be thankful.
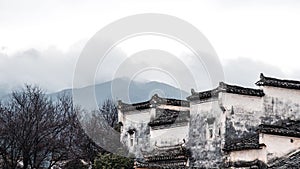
(292, 140)
(210, 133)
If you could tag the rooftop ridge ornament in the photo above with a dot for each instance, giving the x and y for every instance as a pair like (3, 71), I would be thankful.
(193, 91)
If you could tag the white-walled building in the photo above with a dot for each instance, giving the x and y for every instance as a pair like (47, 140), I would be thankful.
(226, 127)
(152, 128)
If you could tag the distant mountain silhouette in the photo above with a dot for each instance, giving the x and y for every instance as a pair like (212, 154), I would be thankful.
(125, 90)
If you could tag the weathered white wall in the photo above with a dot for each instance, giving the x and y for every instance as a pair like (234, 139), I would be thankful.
(282, 93)
(250, 103)
(243, 113)
(138, 117)
(206, 106)
(206, 151)
(138, 120)
(280, 104)
(278, 146)
(248, 155)
(169, 136)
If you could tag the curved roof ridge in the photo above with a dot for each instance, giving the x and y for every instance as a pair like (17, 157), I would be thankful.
(155, 100)
(224, 87)
(276, 82)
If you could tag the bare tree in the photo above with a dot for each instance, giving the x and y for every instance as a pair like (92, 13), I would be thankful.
(109, 112)
(35, 130)
(41, 127)
(10, 154)
(83, 147)
(39, 133)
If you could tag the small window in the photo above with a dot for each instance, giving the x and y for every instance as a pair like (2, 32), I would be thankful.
(211, 133)
(220, 132)
(292, 140)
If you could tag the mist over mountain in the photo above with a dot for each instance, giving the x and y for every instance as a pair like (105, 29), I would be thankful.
(125, 90)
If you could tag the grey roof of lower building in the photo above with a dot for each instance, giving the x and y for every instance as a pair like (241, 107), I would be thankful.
(166, 157)
(249, 142)
(283, 128)
(292, 160)
(257, 164)
(168, 116)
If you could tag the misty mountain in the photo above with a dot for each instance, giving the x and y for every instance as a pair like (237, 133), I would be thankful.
(125, 90)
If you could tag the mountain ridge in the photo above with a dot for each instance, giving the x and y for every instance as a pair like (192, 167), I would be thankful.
(125, 90)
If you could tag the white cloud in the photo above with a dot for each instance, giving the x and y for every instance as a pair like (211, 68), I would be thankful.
(249, 36)
(246, 71)
(52, 69)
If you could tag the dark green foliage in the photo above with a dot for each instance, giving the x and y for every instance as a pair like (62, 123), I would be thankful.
(113, 161)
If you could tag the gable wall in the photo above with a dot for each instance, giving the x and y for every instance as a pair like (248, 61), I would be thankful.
(206, 151)
(243, 114)
(280, 104)
(138, 120)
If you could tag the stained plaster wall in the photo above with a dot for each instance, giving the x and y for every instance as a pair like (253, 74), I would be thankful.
(243, 114)
(136, 120)
(280, 104)
(206, 151)
(249, 155)
(233, 114)
(144, 136)
(169, 136)
(246, 113)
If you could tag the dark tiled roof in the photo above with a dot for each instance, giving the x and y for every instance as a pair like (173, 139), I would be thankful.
(203, 95)
(155, 100)
(249, 142)
(167, 116)
(249, 164)
(176, 164)
(269, 81)
(223, 87)
(167, 153)
(167, 157)
(289, 161)
(240, 90)
(135, 106)
(284, 128)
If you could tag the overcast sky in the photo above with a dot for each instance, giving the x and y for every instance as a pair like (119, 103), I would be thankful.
(40, 41)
